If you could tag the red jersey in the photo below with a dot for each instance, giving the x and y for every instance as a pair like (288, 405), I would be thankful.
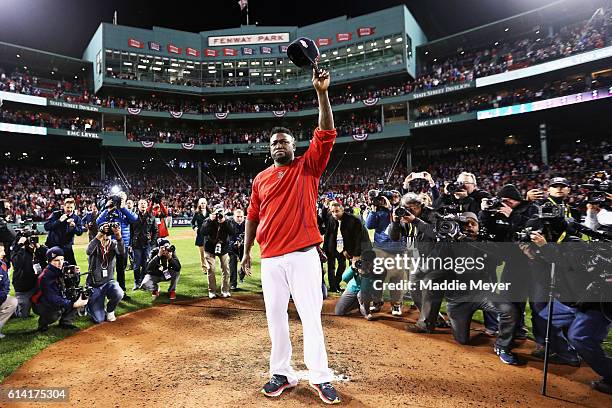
(284, 199)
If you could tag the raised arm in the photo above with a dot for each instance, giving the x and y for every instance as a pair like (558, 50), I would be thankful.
(321, 83)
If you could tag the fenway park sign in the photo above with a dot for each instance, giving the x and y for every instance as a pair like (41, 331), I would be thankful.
(248, 39)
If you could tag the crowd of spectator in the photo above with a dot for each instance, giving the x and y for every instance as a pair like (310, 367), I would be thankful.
(47, 120)
(522, 51)
(569, 86)
(35, 192)
(151, 132)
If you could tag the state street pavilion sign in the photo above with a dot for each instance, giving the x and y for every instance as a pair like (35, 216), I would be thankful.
(217, 41)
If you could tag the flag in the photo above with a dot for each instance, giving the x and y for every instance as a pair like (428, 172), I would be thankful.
(247, 51)
(135, 43)
(174, 49)
(243, 4)
(266, 50)
(229, 52)
(154, 46)
(362, 31)
(344, 37)
(210, 53)
(323, 41)
(192, 51)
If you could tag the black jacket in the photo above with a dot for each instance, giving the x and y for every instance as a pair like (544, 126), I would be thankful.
(196, 223)
(215, 232)
(24, 277)
(144, 231)
(158, 264)
(464, 204)
(354, 234)
(503, 228)
(236, 236)
(477, 196)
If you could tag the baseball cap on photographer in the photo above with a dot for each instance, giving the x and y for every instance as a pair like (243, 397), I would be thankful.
(53, 253)
(556, 181)
(469, 214)
(510, 191)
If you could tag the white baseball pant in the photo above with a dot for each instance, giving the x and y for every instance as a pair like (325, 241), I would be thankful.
(297, 274)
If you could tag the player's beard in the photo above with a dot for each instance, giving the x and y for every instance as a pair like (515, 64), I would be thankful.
(284, 159)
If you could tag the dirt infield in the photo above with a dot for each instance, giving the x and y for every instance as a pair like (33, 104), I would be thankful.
(214, 353)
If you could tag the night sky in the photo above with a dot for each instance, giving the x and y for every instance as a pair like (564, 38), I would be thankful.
(65, 26)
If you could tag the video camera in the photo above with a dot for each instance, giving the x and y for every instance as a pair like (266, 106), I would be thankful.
(218, 214)
(29, 231)
(599, 186)
(239, 241)
(72, 282)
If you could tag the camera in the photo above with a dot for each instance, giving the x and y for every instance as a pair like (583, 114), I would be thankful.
(599, 186)
(449, 227)
(375, 196)
(524, 235)
(239, 241)
(218, 214)
(419, 185)
(111, 225)
(455, 187)
(71, 282)
(493, 203)
(401, 212)
(550, 210)
(115, 201)
(156, 198)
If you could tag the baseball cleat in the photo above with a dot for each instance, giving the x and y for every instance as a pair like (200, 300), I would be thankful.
(327, 393)
(275, 387)
(396, 310)
(506, 356)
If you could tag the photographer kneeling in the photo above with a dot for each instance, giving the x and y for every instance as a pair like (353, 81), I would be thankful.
(50, 300)
(102, 254)
(163, 266)
(28, 260)
(461, 303)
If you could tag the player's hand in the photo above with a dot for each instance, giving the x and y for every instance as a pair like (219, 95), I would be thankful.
(246, 263)
(63, 218)
(22, 241)
(320, 82)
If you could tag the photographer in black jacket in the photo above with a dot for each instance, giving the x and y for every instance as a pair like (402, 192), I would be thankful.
(415, 224)
(236, 247)
(163, 266)
(217, 232)
(28, 260)
(202, 213)
(143, 234)
(348, 237)
(503, 217)
(62, 226)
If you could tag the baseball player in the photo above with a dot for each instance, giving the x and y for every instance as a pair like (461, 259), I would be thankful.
(282, 216)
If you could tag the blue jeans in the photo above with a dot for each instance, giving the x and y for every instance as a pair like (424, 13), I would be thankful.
(141, 257)
(95, 306)
(586, 332)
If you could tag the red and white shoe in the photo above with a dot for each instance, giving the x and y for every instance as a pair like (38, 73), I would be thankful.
(172, 295)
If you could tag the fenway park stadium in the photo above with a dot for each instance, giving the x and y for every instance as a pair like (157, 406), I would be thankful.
(160, 248)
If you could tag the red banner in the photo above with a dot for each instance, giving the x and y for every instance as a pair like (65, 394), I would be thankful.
(210, 53)
(344, 37)
(230, 52)
(361, 31)
(135, 43)
(192, 51)
(323, 41)
(174, 49)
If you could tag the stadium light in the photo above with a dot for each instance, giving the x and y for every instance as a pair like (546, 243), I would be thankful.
(426, 52)
(496, 42)
(18, 56)
(115, 189)
(360, 47)
(506, 29)
(83, 69)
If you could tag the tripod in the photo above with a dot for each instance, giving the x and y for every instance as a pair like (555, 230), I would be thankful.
(551, 297)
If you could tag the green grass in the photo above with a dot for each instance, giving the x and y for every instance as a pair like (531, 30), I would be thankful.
(22, 343)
